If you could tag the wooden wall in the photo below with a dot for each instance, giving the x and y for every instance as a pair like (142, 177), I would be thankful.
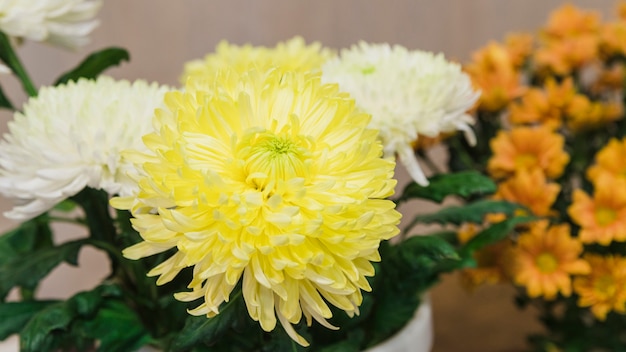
(163, 34)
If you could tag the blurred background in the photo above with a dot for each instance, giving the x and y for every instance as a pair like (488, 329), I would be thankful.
(162, 35)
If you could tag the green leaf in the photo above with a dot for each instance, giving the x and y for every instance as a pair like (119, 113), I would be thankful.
(4, 101)
(17, 242)
(47, 328)
(15, 315)
(433, 247)
(38, 335)
(95, 64)
(10, 58)
(471, 212)
(29, 270)
(464, 184)
(352, 343)
(206, 330)
(494, 233)
(117, 327)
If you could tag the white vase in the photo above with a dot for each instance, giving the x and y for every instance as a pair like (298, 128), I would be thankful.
(416, 336)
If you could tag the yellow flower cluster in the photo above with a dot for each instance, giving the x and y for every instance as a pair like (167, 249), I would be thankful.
(538, 124)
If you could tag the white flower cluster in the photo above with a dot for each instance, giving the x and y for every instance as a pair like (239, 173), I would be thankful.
(408, 93)
(63, 23)
(72, 136)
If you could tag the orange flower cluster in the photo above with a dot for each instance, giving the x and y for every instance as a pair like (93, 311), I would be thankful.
(575, 71)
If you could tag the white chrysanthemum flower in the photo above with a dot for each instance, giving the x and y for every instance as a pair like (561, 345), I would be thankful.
(408, 93)
(70, 137)
(64, 23)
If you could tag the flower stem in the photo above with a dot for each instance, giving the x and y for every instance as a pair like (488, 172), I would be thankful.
(8, 55)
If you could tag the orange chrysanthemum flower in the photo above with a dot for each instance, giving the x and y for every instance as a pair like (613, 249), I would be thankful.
(535, 108)
(527, 148)
(569, 40)
(604, 288)
(610, 161)
(544, 106)
(602, 218)
(544, 259)
(491, 261)
(568, 20)
(519, 46)
(583, 114)
(621, 10)
(493, 72)
(611, 78)
(529, 189)
(562, 56)
(613, 39)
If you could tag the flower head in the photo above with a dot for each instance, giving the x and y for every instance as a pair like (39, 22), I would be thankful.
(70, 137)
(530, 189)
(602, 218)
(492, 262)
(292, 55)
(545, 257)
(269, 178)
(527, 148)
(610, 162)
(494, 73)
(408, 93)
(604, 288)
(59, 22)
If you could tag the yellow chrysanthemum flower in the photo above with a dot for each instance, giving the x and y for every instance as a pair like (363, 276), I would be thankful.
(544, 259)
(268, 178)
(292, 55)
(604, 289)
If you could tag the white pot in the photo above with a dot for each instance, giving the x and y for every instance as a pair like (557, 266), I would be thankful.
(416, 336)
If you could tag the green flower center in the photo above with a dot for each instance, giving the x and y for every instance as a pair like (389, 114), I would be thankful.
(270, 159)
(605, 216)
(546, 262)
(368, 70)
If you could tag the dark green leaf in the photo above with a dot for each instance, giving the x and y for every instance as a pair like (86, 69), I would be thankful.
(117, 327)
(86, 303)
(464, 184)
(29, 270)
(17, 241)
(95, 64)
(46, 328)
(10, 58)
(471, 212)
(15, 315)
(39, 335)
(352, 343)
(4, 101)
(433, 247)
(206, 330)
(494, 233)
(392, 314)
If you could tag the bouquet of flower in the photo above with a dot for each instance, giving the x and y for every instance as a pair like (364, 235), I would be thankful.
(251, 209)
(550, 130)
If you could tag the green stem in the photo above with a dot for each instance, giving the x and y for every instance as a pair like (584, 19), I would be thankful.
(8, 55)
